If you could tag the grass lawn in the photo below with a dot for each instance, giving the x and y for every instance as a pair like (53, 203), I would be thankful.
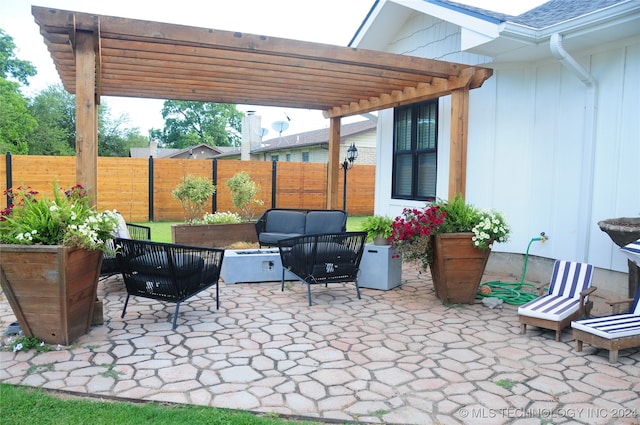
(161, 230)
(22, 405)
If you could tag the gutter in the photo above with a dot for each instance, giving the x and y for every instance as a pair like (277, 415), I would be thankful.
(585, 214)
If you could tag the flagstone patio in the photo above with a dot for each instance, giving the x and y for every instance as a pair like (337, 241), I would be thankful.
(396, 356)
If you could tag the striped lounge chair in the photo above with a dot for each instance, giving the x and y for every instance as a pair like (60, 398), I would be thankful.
(615, 332)
(567, 299)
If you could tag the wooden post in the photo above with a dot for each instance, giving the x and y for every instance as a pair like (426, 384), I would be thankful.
(86, 114)
(333, 171)
(459, 133)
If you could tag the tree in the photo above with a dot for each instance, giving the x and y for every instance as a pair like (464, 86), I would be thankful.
(55, 112)
(189, 123)
(114, 139)
(10, 65)
(15, 120)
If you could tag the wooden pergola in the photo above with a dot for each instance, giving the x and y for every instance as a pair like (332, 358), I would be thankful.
(99, 55)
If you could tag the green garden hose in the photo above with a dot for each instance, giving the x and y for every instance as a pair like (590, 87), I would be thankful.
(511, 292)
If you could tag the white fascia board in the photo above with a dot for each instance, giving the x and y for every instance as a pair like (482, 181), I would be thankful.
(620, 13)
(477, 25)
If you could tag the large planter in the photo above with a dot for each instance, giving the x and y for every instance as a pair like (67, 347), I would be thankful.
(213, 235)
(51, 289)
(457, 267)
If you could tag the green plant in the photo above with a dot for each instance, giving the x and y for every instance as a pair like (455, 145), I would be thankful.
(377, 225)
(26, 343)
(507, 384)
(412, 231)
(225, 217)
(243, 193)
(193, 193)
(67, 219)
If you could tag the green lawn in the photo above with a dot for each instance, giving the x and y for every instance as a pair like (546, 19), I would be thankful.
(22, 405)
(161, 231)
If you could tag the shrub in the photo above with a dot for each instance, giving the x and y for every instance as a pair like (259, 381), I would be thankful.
(243, 192)
(193, 193)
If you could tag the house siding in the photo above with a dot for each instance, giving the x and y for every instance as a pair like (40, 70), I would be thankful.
(527, 152)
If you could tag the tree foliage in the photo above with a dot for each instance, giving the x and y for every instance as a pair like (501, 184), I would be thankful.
(190, 123)
(15, 121)
(10, 65)
(55, 112)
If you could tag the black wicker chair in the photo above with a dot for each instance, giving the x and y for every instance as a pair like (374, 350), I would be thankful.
(323, 258)
(167, 272)
(109, 261)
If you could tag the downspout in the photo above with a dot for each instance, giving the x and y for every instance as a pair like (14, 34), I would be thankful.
(589, 134)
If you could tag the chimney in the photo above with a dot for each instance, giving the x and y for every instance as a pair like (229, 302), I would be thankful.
(250, 134)
(153, 148)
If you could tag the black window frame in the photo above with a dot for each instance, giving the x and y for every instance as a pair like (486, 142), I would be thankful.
(410, 157)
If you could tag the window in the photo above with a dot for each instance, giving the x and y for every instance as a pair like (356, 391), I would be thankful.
(288, 157)
(274, 157)
(305, 156)
(415, 143)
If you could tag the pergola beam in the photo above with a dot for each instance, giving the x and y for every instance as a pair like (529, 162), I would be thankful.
(136, 58)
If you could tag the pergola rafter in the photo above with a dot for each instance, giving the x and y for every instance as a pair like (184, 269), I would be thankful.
(112, 56)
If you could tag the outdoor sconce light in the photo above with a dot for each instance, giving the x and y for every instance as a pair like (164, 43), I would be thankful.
(352, 154)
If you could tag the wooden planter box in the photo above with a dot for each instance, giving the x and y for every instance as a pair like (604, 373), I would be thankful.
(51, 289)
(457, 267)
(213, 235)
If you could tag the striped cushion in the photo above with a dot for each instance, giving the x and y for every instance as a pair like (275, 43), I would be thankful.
(570, 278)
(610, 327)
(567, 281)
(550, 307)
(632, 251)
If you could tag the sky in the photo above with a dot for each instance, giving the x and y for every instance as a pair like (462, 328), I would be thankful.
(322, 21)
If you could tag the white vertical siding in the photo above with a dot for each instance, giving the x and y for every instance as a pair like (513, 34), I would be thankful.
(528, 137)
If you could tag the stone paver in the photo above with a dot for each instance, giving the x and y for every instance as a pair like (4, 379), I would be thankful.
(395, 356)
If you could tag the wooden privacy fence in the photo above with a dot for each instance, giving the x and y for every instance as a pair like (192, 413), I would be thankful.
(140, 188)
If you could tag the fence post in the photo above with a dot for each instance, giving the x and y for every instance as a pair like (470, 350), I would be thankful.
(9, 177)
(150, 188)
(274, 174)
(214, 178)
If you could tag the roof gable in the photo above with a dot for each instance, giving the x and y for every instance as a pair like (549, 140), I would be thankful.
(505, 38)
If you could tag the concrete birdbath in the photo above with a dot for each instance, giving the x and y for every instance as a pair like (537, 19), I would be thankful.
(623, 231)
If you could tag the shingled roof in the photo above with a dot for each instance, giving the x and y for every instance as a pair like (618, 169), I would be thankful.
(549, 13)
(314, 137)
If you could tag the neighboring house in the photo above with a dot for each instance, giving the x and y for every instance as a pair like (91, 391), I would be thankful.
(312, 146)
(201, 151)
(553, 137)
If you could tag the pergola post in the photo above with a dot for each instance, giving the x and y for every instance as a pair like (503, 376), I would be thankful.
(334, 163)
(459, 135)
(86, 113)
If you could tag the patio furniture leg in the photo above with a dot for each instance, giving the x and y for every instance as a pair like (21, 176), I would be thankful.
(175, 315)
(309, 292)
(613, 356)
(358, 289)
(578, 345)
(124, 310)
(282, 283)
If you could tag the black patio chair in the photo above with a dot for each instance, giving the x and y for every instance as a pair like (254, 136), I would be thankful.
(109, 261)
(323, 258)
(167, 272)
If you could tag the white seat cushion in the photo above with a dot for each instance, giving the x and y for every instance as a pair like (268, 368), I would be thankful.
(550, 307)
(610, 327)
